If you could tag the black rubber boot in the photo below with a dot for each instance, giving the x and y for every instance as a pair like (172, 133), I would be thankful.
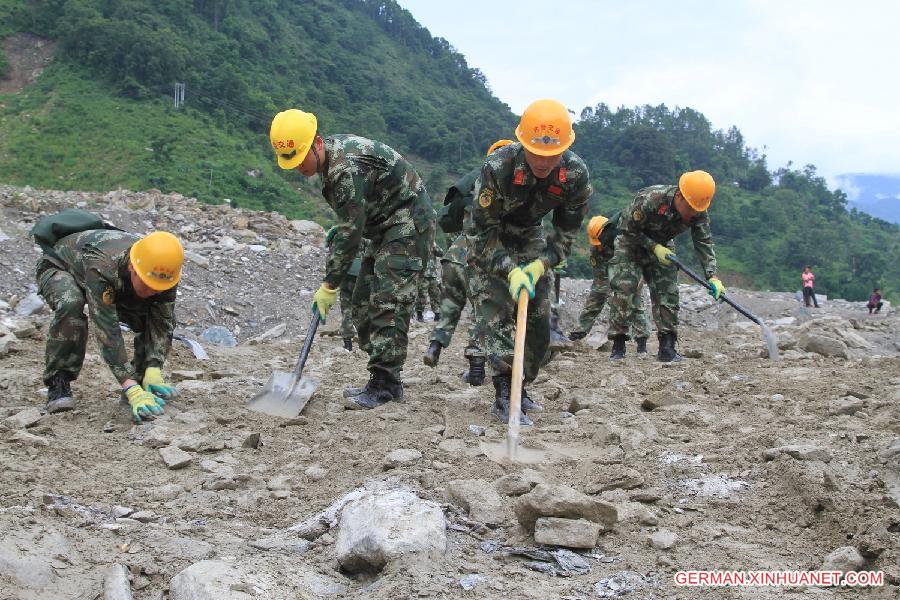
(641, 345)
(433, 354)
(420, 317)
(529, 405)
(577, 335)
(59, 394)
(474, 375)
(667, 352)
(500, 409)
(348, 344)
(618, 349)
(379, 391)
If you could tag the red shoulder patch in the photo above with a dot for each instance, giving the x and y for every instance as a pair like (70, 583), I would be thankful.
(555, 190)
(519, 177)
(562, 174)
(662, 209)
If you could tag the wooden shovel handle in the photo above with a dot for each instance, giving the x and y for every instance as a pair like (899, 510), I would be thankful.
(518, 366)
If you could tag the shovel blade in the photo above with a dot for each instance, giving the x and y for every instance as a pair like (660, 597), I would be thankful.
(284, 395)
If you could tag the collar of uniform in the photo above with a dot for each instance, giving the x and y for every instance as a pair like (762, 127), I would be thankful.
(329, 152)
(528, 179)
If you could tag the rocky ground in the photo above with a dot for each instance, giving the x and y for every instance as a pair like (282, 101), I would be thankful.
(725, 461)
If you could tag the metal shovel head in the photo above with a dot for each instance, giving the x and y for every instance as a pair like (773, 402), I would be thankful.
(284, 395)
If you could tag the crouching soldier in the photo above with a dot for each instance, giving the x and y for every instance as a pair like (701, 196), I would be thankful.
(122, 278)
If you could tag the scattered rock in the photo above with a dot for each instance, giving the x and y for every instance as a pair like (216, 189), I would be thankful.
(401, 457)
(846, 558)
(481, 500)
(516, 484)
(174, 457)
(270, 334)
(23, 419)
(315, 473)
(27, 439)
(662, 539)
(383, 526)
(31, 304)
(186, 375)
(547, 500)
(470, 582)
(823, 345)
(616, 477)
(207, 580)
(799, 452)
(251, 441)
(571, 533)
(116, 584)
(848, 405)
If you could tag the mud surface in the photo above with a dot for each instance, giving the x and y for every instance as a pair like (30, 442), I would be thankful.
(751, 464)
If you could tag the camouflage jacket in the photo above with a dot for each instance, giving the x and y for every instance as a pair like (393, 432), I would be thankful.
(506, 230)
(376, 194)
(98, 260)
(652, 219)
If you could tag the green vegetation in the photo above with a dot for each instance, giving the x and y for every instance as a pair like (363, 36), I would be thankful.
(102, 117)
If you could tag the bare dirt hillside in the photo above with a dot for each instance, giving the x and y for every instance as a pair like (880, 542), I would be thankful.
(725, 461)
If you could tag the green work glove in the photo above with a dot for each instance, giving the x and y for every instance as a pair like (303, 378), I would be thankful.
(323, 300)
(156, 385)
(534, 270)
(662, 255)
(519, 280)
(716, 288)
(561, 267)
(329, 235)
(143, 403)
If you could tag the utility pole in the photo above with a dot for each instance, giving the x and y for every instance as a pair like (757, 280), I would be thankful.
(179, 95)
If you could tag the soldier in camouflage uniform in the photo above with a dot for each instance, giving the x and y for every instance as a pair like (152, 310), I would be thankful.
(430, 286)
(121, 278)
(520, 184)
(648, 227)
(601, 235)
(378, 195)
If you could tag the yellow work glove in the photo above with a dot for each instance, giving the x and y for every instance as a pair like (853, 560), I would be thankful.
(534, 270)
(324, 299)
(662, 255)
(155, 384)
(143, 403)
(716, 288)
(519, 280)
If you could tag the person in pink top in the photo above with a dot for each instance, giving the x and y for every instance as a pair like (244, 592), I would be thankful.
(809, 281)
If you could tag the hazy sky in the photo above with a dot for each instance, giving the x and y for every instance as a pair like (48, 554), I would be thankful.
(813, 81)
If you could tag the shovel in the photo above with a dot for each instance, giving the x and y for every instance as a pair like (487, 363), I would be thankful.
(286, 394)
(771, 342)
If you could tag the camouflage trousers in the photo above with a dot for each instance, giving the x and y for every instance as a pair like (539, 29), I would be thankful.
(68, 332)
(626, 268)
(600, 291)
(385, 295)
(455, 291)
(347, 285)
(429, 288)
(495, 323)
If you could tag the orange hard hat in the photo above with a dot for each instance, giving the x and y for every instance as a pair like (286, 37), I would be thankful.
(157, 259)
(498, 144)
(698, 189)
(546, 128)
(595, 226)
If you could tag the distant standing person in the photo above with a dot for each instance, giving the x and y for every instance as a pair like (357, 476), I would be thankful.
(875, 302)
(809, 281)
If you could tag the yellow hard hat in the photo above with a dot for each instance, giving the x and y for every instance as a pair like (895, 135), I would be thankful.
(546, 128)
(157, 260)
(292, 135)
(595, 226)
(498, 144)
(698, 189)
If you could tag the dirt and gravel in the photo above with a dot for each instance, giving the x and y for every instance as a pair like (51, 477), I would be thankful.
(725, 461)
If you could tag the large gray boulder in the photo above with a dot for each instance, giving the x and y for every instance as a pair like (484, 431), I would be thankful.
(480, 499)
(207, 580)
(547, 500)
(382, 526)
(824, 345)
